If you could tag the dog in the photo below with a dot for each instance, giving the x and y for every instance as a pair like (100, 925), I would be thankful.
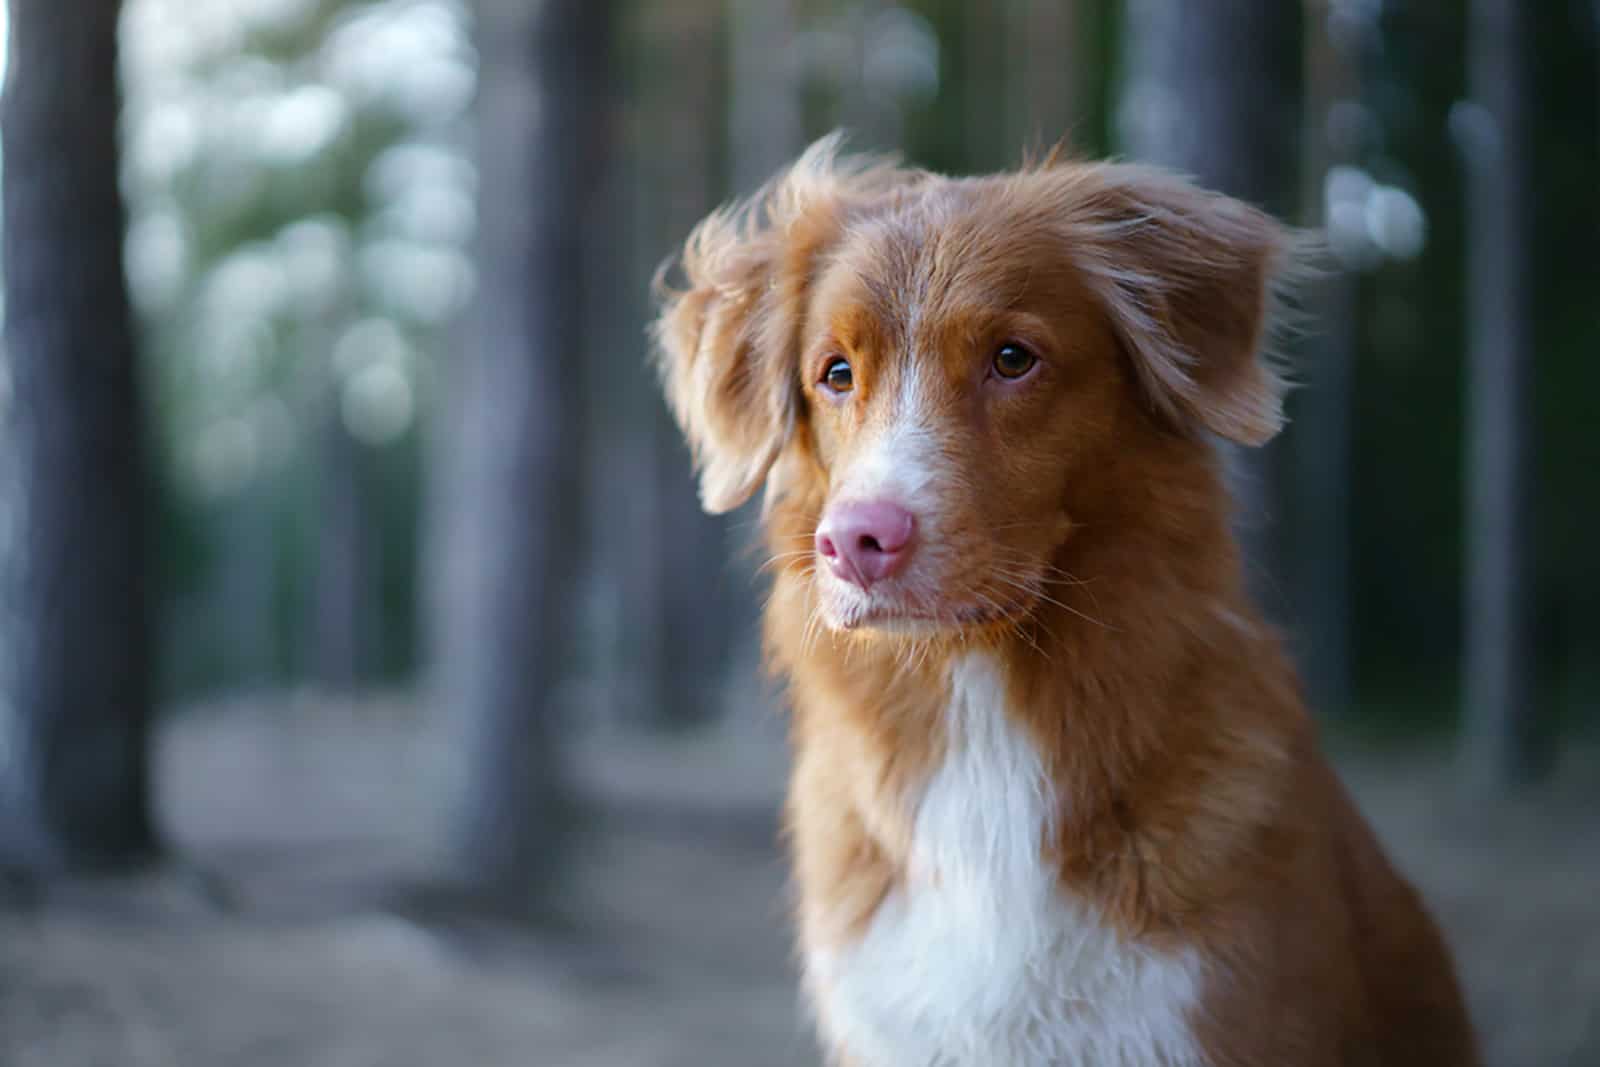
(1055, 796)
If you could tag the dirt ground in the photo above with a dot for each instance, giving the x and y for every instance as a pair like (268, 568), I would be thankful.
(280, 942)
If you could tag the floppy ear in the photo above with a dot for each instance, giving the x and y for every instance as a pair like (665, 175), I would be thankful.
(1188, 277)
(728, 384)
(727, 346)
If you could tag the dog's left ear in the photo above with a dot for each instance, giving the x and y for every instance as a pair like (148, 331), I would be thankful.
(1188, 278)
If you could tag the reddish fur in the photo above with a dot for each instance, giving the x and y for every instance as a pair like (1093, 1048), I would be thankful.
(1195, 806)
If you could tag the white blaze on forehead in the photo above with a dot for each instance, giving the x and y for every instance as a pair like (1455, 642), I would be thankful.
(902, 458)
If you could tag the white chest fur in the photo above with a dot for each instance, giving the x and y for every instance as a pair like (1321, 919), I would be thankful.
(982, 961)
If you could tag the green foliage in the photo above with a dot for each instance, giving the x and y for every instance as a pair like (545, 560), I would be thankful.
(301, 197)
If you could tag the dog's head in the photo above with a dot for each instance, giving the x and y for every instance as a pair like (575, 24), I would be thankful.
(928, 370)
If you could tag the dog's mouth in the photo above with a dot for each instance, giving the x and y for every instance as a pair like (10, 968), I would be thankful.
(918, 616)
(948, 588)
(917, 622)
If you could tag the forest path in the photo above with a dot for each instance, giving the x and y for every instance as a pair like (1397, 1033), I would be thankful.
(304, 815)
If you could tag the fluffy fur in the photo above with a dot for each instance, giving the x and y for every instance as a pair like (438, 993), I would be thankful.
(982, 960)
(1055, 797)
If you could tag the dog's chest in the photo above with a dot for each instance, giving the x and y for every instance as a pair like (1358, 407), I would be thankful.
(980, 959)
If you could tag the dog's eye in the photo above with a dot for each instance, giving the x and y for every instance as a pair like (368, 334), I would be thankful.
(838, 376)
(1013, 361)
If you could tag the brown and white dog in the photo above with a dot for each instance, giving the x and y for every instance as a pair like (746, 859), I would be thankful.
(1056, 799)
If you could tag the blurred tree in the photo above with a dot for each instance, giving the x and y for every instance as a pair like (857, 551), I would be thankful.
(986, 36)
(301, 200)
(1318, 438)
(673, 559)
(1210, 89)
(686, 656)
(1023, 78)
(1566, 377)
(74, 627)
(979, 86)
(873, 67)
(1395, 213)
(508, 543)
(1494, 130)
(1045, 95)
(764, 120)
(344, 601)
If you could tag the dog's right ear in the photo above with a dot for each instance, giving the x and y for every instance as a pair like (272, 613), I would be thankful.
(728, 344)
(725, 366)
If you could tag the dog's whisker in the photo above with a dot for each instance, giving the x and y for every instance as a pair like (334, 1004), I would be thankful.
(1040, 594)
(775, 561)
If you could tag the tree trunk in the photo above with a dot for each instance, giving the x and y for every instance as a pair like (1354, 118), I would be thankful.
(766, 132)
(1500, 709)
(676, 623)
(1210, 90)
(74, 624)
(764, 124)
(985, 39)
(509, 532)
(240, 623)
(869, 113)
(691, 623)
(1045, 84)
(1319, 435)
(344, 601)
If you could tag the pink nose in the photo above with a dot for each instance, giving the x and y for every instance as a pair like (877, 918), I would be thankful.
(865, 541)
